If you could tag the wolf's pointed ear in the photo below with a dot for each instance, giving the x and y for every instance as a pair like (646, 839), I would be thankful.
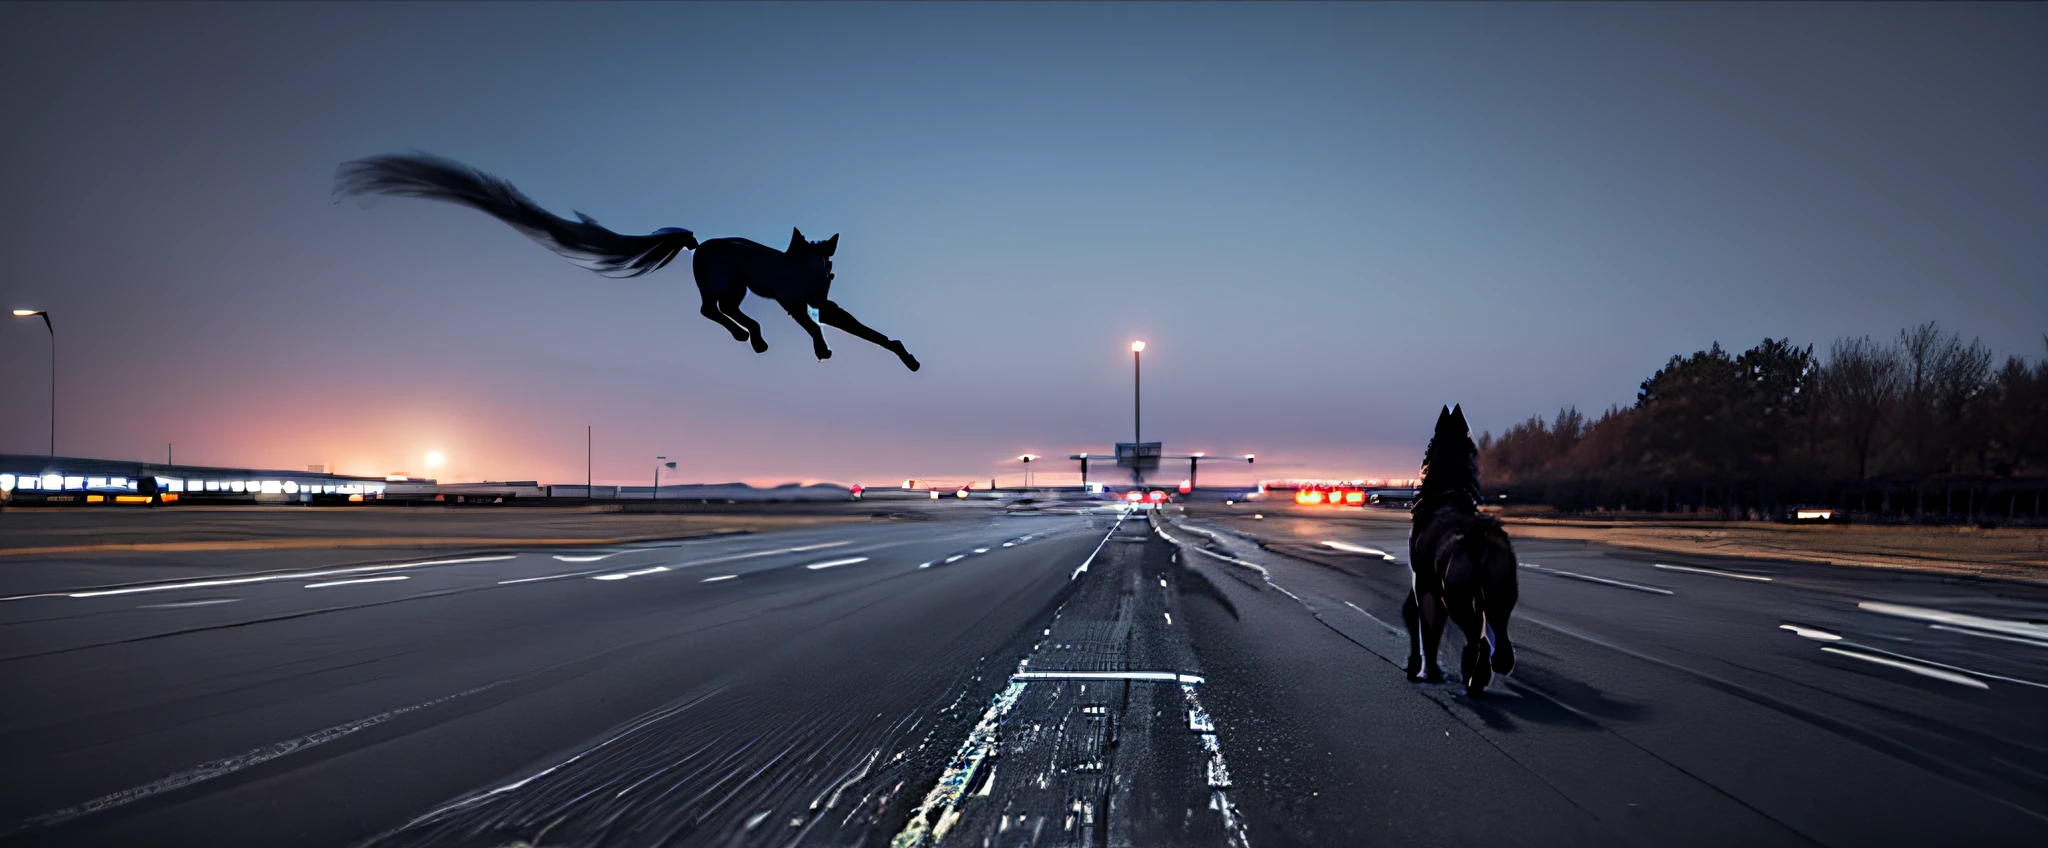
(832, 244)
(796, 239)
(1443, 417)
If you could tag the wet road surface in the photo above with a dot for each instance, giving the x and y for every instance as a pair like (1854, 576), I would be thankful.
(1002, 680)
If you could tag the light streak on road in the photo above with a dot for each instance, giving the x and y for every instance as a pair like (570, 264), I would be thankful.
(1916, 668)
(357, 580)
(266, 578)
(1714, 572)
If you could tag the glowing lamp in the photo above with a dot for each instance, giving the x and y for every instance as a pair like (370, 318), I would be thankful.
(1136, 347)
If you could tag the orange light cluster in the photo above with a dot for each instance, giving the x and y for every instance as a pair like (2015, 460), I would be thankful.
(1331, 495)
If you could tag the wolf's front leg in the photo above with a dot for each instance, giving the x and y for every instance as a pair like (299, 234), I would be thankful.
(803, 319)
(834, 316)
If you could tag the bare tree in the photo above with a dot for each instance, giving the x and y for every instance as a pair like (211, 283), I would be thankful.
(1858, 385)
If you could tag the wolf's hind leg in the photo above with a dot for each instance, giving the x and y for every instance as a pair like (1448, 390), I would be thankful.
(710, 310)
(729, 303)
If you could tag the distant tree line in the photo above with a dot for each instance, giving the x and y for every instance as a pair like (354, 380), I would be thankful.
(1925, 428)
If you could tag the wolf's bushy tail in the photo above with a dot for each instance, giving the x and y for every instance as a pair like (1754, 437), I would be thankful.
(581, 241)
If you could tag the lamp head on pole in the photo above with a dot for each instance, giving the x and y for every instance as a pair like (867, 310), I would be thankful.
(37, 313)
(1136, 347)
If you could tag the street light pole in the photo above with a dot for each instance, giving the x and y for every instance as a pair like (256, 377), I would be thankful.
(656, 494)
(31, 313)
(1137, 392)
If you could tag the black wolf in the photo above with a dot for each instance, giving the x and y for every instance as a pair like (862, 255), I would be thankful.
(1464, 566)
(799, 279)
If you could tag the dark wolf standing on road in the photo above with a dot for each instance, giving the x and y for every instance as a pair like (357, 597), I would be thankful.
(1463, 563)
(726, 268)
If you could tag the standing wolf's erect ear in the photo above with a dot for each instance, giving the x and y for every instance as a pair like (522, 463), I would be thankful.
(796, 240)
(1458, 418)
(832, 244)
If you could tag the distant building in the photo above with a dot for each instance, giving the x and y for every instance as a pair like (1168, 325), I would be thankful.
(56, 480)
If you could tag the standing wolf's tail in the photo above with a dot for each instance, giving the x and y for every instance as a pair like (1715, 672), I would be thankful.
(582, 241)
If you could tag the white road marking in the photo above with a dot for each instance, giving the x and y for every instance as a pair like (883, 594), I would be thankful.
(182, 604)
(835, 563)
(1233, 560)
(548, 577)
(1359, 549)
(588, 558)
(955, 558)
(1916, 668)
(981, 550)
(1996, 625)
(1591, 579)
(796, 550)
(621, 575)
(1714, 572)
(1376, 619)
(718, 578)
(1981, 635)
(1811, 633)
(357, 580)
(266, 578)
(1166, 676)
(925, 564)
(1098, 549)
(1169, 619)
(1954, 668)
(952, 784)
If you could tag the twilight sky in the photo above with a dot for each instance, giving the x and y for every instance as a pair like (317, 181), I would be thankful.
(1325, 220)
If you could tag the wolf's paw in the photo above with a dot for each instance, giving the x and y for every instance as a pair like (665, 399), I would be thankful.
(760, 344)
(909, 361)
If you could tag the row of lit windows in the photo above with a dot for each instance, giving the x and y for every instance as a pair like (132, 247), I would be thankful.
(60, 482)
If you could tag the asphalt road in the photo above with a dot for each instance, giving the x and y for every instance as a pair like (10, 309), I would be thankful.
(980, 678)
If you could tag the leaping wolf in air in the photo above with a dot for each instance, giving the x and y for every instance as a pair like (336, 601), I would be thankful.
(798, 278)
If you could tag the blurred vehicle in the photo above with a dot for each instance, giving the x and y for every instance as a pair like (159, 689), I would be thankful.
(1402, 498)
